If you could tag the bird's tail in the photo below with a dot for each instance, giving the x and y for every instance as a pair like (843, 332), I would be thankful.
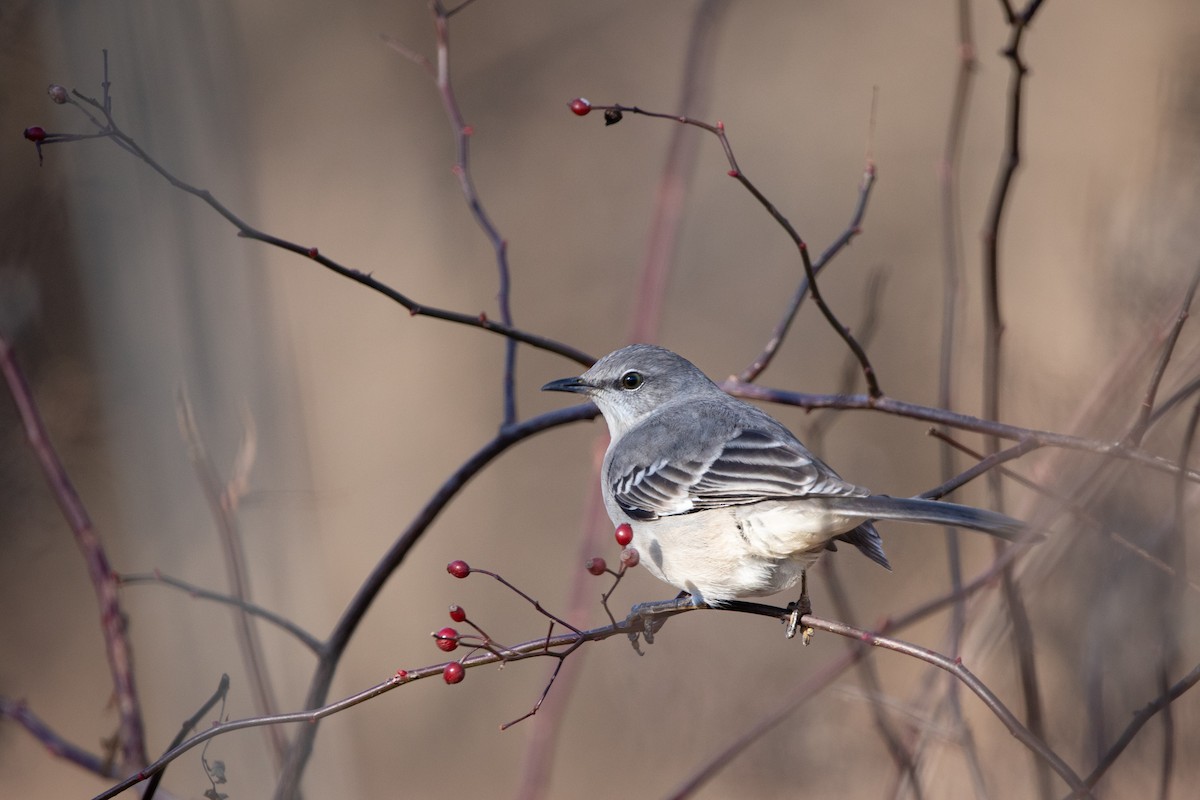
(933, 512)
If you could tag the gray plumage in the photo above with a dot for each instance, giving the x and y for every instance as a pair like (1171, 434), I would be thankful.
(723, 500)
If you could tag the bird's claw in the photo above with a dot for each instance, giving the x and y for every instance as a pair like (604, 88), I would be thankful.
(798, 610)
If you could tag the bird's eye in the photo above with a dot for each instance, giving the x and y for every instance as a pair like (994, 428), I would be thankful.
(631, 380)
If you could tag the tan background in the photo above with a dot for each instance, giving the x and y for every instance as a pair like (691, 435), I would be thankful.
(120, 291)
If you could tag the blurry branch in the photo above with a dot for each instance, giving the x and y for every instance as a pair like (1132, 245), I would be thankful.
(613, 113)
(132, 738)
(1135, 725)
(1076, 509)
(902, 756)
(462, 170)
(1144, 419)
(18, 712)
(304, 637)
(109, 129)
(952, 301)
(222, 501)
(993, 326)
(679, 167)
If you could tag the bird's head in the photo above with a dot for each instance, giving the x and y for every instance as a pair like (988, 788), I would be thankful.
(629, 384)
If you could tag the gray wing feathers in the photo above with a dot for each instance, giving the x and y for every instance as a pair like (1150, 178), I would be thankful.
(751, 465)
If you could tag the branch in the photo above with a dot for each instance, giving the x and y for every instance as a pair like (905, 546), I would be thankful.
(1144, 419)
(103, 579)
(353, 614)
(1135, 725)
(304, 637)
(613, 113)
(57, 746)
(638, 621)
(109, 129)
(888, 405)
(462, 170)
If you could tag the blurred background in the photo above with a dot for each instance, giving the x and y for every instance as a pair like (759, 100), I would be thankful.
(120, 293)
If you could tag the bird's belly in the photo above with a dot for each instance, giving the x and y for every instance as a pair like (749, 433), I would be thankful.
(740, 551)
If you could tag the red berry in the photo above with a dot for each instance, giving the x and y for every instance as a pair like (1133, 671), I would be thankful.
(447, 639)
(458, 569)
(458, 614)
(35, 134)
(624, 534)
(596, 566)
(313, 252)
(453, 672)
(630, 557)
(580, 106)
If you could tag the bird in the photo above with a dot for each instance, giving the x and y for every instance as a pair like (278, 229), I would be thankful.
(724, 502)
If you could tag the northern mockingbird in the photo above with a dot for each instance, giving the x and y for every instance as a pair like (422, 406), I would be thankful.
(724, 501)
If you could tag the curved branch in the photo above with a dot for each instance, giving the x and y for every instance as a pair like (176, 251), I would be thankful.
(110, 130)
(736, 172)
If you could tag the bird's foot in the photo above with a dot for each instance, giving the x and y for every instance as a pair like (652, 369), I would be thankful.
(798, 609)
(648, 618)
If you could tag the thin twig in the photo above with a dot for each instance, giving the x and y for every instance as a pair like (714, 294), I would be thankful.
(806, 261)
(1142, 424)
(191, 722)
(110, 130)
(304, 637)
(756, 367)
(462, 170)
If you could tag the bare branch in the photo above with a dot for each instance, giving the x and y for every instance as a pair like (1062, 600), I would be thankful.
(103, 579)
(304, 637)
(736, 172)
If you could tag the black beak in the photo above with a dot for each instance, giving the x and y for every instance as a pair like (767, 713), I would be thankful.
(576, 385)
